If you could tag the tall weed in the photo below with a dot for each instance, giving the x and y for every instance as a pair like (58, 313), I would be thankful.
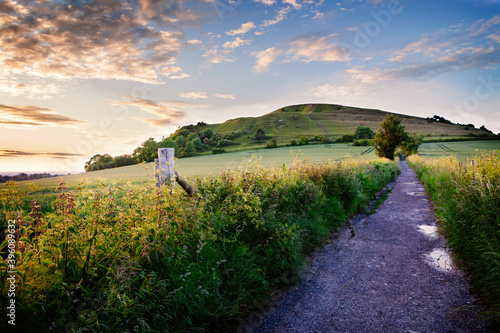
(142, 259)
(467, 194)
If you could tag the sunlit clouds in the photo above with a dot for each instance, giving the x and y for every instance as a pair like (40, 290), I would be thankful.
(33, 116)
(166, 112)
(95, 40)
(87, 77)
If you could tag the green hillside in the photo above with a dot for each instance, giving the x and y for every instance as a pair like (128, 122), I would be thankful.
(332, 121)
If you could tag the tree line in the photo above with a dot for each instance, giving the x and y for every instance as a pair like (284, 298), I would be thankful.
(24, 176)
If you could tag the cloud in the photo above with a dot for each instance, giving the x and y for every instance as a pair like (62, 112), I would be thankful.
(226, 96)
(237, 42)
(33, 116)
(243, 29)
(94, 39)
(194, 95)
(336, 92)
(278, 18)
(216, 56)
(293, 3)
(17, 153)
(265, 58)
(447, 50)
(167, 111)
(266, 2)
(305, 48)
(14, 87)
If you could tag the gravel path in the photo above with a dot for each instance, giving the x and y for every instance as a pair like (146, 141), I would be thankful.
(381, 280)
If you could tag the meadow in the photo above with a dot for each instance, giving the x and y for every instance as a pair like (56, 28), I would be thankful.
(467, 194)
(134, 258)
(461, 149)
(202, 166)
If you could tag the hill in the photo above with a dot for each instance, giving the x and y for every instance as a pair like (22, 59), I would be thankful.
(332, 121)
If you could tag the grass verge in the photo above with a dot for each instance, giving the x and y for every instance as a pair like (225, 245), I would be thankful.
(139, 259)
(467, 194)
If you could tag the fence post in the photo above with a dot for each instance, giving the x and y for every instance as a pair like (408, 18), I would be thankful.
(164, 166)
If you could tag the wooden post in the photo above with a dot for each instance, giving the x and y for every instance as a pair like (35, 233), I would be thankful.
(164, 166)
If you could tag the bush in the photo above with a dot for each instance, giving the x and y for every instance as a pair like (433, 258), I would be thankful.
(218, 151)
(272, 144)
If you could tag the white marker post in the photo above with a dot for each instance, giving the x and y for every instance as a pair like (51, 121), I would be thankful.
(164, 166)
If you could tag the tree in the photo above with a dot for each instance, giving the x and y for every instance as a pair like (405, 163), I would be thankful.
(272, 144)
(189, 150)
(99, 162)
(410, 144)
(122, 160)
(167, 143)
(260, 135)
(197, 144)
(363, 133)
(207, 133)
(390, 135)
(146, 152)
(192, 136)
(180, 141)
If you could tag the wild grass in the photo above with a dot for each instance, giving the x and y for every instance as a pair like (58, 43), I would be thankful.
(132, 258)
(468, 196)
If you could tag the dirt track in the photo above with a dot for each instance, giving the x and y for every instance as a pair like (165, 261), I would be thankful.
(382, 279)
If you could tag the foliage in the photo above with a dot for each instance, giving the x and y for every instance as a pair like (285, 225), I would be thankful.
(272, 144)
(218, 151)
(411, 143)
(24, 176)
(390, 135)
(146, 152)
(303, 141)
(140, 259)
(467, 194)
(168, 143)
(260, 135)
(363, 133)
(345, 138)
(101, 162)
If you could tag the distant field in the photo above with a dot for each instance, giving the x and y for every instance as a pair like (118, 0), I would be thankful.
(460, 149)
(202, 166)
(212, 164)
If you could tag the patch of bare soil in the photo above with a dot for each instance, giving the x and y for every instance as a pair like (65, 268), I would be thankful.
(393, 275)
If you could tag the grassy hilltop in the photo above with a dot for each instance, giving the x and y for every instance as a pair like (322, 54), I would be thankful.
(330, 120)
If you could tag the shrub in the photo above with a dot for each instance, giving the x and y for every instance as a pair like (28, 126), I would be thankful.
(218, 151)
(272, 144)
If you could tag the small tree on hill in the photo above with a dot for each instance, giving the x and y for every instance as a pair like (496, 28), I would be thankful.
(390, 135)
(363, 133)
(260, 135)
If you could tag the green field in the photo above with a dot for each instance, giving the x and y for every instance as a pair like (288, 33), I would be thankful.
(200, 166)
(460, 149)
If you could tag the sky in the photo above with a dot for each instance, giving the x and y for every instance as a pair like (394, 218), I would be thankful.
(79, 78)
